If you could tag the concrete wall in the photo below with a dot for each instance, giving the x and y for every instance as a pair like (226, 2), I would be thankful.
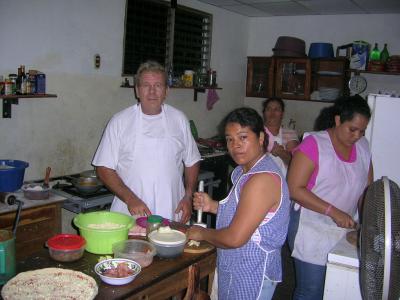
(60, 38)
(339, 30)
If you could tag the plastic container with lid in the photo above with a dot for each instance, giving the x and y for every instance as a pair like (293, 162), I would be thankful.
(153, 223)
(169, 243)
(66, 247)
(140, 251)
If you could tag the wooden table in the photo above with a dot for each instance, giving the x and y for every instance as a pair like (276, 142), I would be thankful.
(163, 279)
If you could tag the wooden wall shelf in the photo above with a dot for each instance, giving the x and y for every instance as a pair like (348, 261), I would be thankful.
(373, 72)
(195, 89)
(8, 100)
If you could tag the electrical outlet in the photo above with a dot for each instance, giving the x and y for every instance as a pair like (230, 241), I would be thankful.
(97, 61)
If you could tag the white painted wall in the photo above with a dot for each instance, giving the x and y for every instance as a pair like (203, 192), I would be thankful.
(338, 30)
(60, 38)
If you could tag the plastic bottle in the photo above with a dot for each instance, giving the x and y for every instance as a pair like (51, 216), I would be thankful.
(384, 54)
(193, 129)
(375, 54)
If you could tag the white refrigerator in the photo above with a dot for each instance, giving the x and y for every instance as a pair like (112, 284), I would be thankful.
(383, 134)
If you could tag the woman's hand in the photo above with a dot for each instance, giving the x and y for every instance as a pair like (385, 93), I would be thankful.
(203, 201)
(341, 218)
(195, 233)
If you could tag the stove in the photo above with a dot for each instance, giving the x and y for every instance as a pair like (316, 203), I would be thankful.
(78, 202)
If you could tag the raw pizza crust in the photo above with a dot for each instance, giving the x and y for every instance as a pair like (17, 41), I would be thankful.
(50, 283)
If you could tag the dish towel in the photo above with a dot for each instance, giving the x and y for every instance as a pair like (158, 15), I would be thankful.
(212, 97)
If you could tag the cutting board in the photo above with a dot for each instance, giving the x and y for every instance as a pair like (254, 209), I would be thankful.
(202, 248)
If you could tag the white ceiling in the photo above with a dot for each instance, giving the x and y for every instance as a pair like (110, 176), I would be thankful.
(268, 8)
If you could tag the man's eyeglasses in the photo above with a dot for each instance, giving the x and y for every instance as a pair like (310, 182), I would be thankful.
(156, 86)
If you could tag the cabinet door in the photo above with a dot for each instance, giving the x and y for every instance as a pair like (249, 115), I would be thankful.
(260, 77)
(329, 78)
(293, 76)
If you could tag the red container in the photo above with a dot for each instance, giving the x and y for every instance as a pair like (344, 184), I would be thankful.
(66, 247)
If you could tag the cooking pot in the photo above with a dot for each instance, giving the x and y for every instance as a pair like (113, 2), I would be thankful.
(87, 182)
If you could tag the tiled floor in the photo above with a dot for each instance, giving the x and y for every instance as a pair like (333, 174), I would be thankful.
(284, 290)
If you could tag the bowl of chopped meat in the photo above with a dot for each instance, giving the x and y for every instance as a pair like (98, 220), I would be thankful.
(117, 271)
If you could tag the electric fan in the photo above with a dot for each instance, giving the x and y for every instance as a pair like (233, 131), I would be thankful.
(380, 242)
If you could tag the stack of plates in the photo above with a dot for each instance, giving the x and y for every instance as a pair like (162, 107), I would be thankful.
(329, 93)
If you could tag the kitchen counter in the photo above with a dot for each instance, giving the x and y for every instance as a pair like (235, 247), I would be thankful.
(342, 273)
(164, 278)
(54, 198)
(38, 221)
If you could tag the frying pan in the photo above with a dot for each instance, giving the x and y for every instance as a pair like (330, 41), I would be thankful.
(87, 182)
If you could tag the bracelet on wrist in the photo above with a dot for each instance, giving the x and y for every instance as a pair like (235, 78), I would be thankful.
(328, 209)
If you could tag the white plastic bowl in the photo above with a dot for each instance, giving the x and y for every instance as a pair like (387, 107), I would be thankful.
(113, 263)
(168, 245)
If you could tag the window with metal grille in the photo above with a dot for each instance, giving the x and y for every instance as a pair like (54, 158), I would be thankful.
(178, 37)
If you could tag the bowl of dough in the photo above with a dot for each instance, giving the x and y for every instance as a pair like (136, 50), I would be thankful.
(101, 229)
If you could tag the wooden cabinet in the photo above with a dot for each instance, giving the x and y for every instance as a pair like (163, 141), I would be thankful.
(36, 225)
(296, 78)
(260, 77)
(330, 74)
(293, 77)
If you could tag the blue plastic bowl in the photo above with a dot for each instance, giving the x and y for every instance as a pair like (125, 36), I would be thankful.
(320, 50)
(12, 174)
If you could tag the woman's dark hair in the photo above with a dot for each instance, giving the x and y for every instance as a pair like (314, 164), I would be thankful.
(277, 100)
(246, 117)
(346, 108)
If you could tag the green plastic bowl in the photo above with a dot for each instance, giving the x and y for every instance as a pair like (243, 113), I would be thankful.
(100, 240)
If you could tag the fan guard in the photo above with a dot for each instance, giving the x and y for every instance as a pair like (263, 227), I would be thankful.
(380, 242)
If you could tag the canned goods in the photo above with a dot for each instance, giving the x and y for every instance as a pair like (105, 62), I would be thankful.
(7, 87)
(188, 78)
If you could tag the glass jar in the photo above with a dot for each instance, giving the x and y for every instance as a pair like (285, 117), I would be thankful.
(13, 79)
(153, 223)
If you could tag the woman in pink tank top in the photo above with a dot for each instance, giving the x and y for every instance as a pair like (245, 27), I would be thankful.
(329, 172)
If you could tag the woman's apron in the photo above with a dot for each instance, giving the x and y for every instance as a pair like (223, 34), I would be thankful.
(241, 270)
(155, 170)
(339, 183)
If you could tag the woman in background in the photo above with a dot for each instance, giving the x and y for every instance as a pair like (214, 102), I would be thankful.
(281, 141)
(252, 220)
(328, 174)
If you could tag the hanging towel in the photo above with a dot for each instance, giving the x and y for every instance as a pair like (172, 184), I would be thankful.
(212, 97)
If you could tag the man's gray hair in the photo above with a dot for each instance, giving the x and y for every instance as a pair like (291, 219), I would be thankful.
(150, 66)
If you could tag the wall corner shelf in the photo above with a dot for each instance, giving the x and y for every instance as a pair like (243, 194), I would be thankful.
(8, 100)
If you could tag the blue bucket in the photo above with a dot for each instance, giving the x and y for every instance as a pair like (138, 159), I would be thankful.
(12, 174)
(320, 50)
